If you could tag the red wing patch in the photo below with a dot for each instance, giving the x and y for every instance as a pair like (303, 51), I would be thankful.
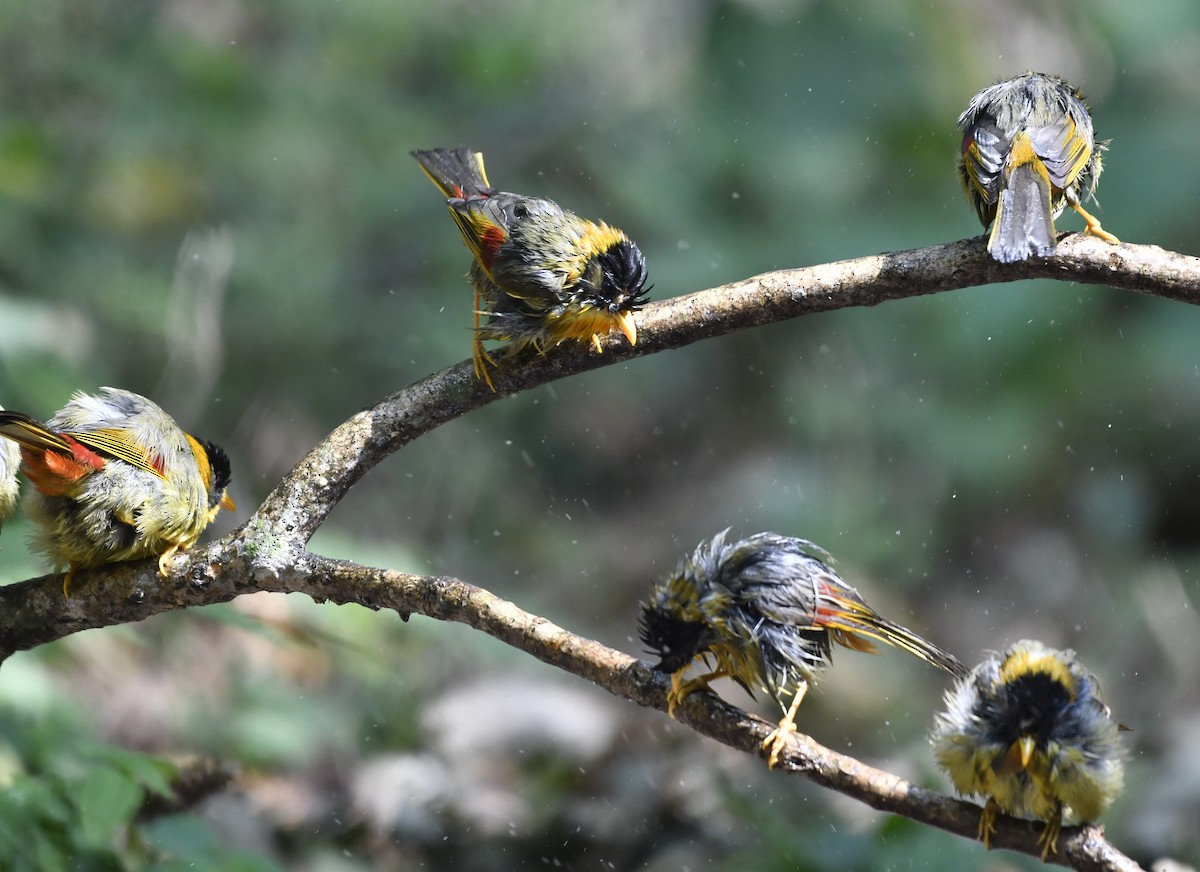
(489, 243)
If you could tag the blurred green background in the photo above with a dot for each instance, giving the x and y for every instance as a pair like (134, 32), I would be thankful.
(212, 203)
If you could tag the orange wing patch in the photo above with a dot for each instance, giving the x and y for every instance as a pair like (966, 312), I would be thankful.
(55, 472)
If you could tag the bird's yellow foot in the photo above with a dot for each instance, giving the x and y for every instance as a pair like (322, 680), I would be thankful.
(681, 689)
(987, 823)
(778, 737)
(68, 578)
(673, 696)
(1049, 837)
(165, 559)
(479, 356)
(1093, 225)
(596, 343)
(482, 360)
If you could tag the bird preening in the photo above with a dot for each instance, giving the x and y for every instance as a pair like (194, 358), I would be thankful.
(1028, 152)
(767, 610)
(541, 275)
(115, 478)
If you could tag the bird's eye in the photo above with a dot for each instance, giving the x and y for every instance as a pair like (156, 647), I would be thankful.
(520, 210)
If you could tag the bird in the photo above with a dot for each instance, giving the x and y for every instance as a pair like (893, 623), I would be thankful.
(115, 478)
(1028, 151)
(10, 460)
(767, 609)
(1027, 729)
(541, 274)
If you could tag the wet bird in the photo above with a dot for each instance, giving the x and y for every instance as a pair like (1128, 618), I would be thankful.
(1027, 729)
(1028, 151)
(767, 609)
(542, 275)
(115, 478)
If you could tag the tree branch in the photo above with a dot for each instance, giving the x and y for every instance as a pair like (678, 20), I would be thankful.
(323, 477)
(448, 599)
(268, 552)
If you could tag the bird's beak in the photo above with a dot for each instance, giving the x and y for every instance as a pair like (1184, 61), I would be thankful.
(625, 322)
(228, 504)
(1026, 745)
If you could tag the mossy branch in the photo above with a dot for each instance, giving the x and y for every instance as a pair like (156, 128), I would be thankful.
(269, 551)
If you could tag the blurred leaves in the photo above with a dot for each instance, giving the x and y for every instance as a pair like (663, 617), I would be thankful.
(68, 804)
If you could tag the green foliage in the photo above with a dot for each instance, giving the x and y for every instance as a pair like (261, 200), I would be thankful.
(69, 807)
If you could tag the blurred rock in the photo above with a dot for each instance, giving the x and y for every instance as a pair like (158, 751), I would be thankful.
(493, 719)
(402, 792)
(1166, 864)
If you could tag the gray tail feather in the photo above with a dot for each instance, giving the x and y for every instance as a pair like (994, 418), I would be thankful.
(458, 172)
(1024, 223)
(906, 640)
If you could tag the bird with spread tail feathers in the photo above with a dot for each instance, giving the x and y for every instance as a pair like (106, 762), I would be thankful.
(542, 275)
(767, 609)
(115, 478)
(1028, 151)
(1027, 729)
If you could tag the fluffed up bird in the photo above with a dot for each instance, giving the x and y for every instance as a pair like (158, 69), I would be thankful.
(767, 610)
(1027, 730)
(1028, 151)
(115, 478)
(10, 460)
(542, 275)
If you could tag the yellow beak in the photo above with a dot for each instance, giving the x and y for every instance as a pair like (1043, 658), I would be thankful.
(1026, 745)
(625, 322)
(227, 503)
